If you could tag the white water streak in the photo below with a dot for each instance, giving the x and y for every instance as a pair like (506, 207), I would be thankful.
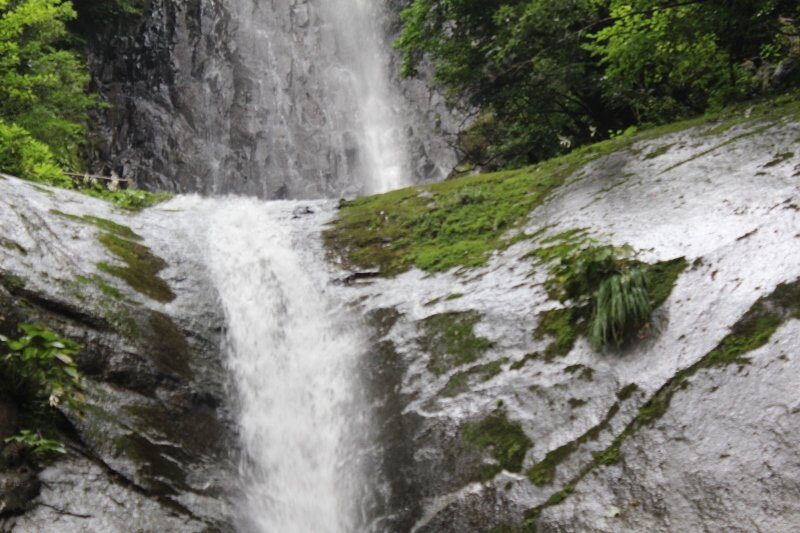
(365, 80)
(292, 356)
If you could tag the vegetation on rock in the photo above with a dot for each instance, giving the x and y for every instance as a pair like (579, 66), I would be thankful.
(450, 341)
(542, 77)
(505, 440)
(611, 295)
(44, 102)
(39, 374)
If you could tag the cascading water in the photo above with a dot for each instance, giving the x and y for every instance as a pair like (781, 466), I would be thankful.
(280, 99)
(293, 350)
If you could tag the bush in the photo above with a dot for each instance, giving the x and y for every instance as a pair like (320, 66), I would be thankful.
(24, 156)
(608, 290)
(38, 372)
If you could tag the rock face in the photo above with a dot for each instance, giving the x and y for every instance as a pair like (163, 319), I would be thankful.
(273, 99)
(152, 449)
(693, 428)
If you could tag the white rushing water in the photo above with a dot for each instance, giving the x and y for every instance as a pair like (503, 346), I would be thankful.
(292, 353)
(293, 348)
(363, 74)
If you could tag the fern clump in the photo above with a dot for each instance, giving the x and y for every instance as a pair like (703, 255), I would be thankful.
(610, 294)
(620, 307)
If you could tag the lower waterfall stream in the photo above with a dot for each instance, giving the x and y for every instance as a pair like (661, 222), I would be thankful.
(292, 355)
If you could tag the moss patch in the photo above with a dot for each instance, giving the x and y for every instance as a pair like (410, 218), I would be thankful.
(450, 340)
(456, 223)
(9, 244)
(141, 270)
(563, 326)
(658, 152)
(662, 278)
(779, 158)
(505, 440)
(102, 285)
(543, 472)
(460, 381)
(102, 223)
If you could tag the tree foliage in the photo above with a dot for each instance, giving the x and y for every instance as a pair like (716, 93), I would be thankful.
(544, 76)
(42, 83)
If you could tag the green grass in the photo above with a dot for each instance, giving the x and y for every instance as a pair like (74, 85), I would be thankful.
(459, 223)
(456, 223)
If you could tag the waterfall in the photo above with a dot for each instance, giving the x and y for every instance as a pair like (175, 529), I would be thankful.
(280, 99)
(292, 354)
(319, 102)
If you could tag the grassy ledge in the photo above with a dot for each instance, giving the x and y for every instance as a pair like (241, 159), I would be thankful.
(460, 222)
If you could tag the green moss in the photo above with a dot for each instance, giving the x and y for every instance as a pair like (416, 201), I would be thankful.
(102, 223)
(516, 365)
(584, 372)
(543, 472)
(450, 340)
(141, 270)
(12, 245)
(456, 223)
(662, 278)
(627, 391)
(658, 152)
(563, 326)
(12, 283)
(102, 285)
(505, 440)
(459, 382)
(779, 158)
(574, 403)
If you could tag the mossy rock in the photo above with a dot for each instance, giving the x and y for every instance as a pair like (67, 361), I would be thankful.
(450, 340)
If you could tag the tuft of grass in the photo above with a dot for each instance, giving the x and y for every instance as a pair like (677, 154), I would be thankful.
(620, 307)
(610, 295)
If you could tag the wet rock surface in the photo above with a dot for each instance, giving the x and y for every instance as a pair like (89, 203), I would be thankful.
(152, 449)
(215, 97)
(662, 436)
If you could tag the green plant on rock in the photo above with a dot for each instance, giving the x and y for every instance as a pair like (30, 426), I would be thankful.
(611, 295)
(39, 365)
(38, 372)
(620, 306)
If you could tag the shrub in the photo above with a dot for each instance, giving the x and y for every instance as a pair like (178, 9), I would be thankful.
(24, 156)
(607, 288)
(38, 371)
